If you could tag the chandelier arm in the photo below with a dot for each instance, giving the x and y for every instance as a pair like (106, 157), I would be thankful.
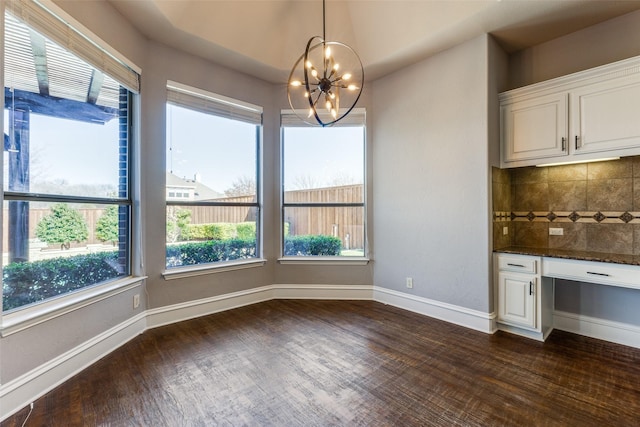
(306, 74)
(316, 101)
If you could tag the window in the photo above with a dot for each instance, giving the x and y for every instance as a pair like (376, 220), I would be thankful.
(66, 164)
(213, 168)
(323, 174)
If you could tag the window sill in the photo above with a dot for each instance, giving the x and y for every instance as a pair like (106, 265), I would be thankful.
(324, 260)
(191, 271)
(27, 317)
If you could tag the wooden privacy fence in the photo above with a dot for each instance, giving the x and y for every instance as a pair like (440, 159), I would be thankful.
(343, 222)
(339, 221)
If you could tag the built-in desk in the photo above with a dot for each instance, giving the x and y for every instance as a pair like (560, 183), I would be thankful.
(573, 255)
(525, 282)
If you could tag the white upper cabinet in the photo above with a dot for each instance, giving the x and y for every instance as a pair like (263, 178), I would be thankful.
(535, 128)
(606, 116)
(584, 116)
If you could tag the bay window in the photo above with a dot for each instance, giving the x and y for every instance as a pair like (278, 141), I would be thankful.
(66, 164)
(213, 206)
(323, 188)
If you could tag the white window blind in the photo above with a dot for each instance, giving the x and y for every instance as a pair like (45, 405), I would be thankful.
(356, 117)
(62, 33)
(210, 103)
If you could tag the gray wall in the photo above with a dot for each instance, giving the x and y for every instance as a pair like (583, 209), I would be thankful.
(600, 44)
(430, 189)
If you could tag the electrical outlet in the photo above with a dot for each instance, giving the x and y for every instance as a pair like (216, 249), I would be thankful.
(505, 231)
(136, 301)
(409, 282)
(556, 231)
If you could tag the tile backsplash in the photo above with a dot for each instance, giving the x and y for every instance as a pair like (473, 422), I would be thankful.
(596, 204)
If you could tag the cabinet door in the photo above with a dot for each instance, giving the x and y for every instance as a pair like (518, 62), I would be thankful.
(517, 299)
(606, 116)
(534, 128)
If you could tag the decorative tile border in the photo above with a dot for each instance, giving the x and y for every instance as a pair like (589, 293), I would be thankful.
(501, 216)
(592, 217)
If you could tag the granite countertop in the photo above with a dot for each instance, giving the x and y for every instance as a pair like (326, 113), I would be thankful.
(569, 254)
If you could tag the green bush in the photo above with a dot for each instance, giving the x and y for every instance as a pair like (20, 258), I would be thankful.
(210, 251)
(28, 282)
(312, 245)
(246, 230)
(215, 231)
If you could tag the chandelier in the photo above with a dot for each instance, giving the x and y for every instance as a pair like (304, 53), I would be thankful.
(326, 81)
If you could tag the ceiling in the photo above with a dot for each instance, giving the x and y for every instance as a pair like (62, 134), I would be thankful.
(264, 38)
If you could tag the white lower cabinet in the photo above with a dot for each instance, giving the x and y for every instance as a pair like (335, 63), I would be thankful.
(517, 295)
(524, 298)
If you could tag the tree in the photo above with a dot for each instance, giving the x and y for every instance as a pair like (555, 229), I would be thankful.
(107, 226)
(242, 186)
(177, 221)
(63, 225)
(306, 182)
(342, 178)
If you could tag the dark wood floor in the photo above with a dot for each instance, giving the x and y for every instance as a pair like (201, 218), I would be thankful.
(330, 363)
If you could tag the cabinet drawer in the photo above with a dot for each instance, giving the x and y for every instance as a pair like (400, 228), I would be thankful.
(521, 264)
(593, 272)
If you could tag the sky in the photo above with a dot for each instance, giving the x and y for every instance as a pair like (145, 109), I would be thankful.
(226, 153)
(220, 150)
(76, 152)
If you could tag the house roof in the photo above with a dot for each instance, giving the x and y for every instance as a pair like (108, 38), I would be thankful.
(265, 37)
(201, 191)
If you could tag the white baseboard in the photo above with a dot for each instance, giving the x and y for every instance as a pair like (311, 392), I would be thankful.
(607, 330)
(18, 393)
(202, 307)
(335, 292)
(473, 319)
(191, 309)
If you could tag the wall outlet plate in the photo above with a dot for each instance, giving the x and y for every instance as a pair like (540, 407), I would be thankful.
(409, 282)
(556, 231)
(505, 231)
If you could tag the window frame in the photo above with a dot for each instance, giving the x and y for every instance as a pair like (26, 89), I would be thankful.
(291, 118)
(51, 21)
(213, 104)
